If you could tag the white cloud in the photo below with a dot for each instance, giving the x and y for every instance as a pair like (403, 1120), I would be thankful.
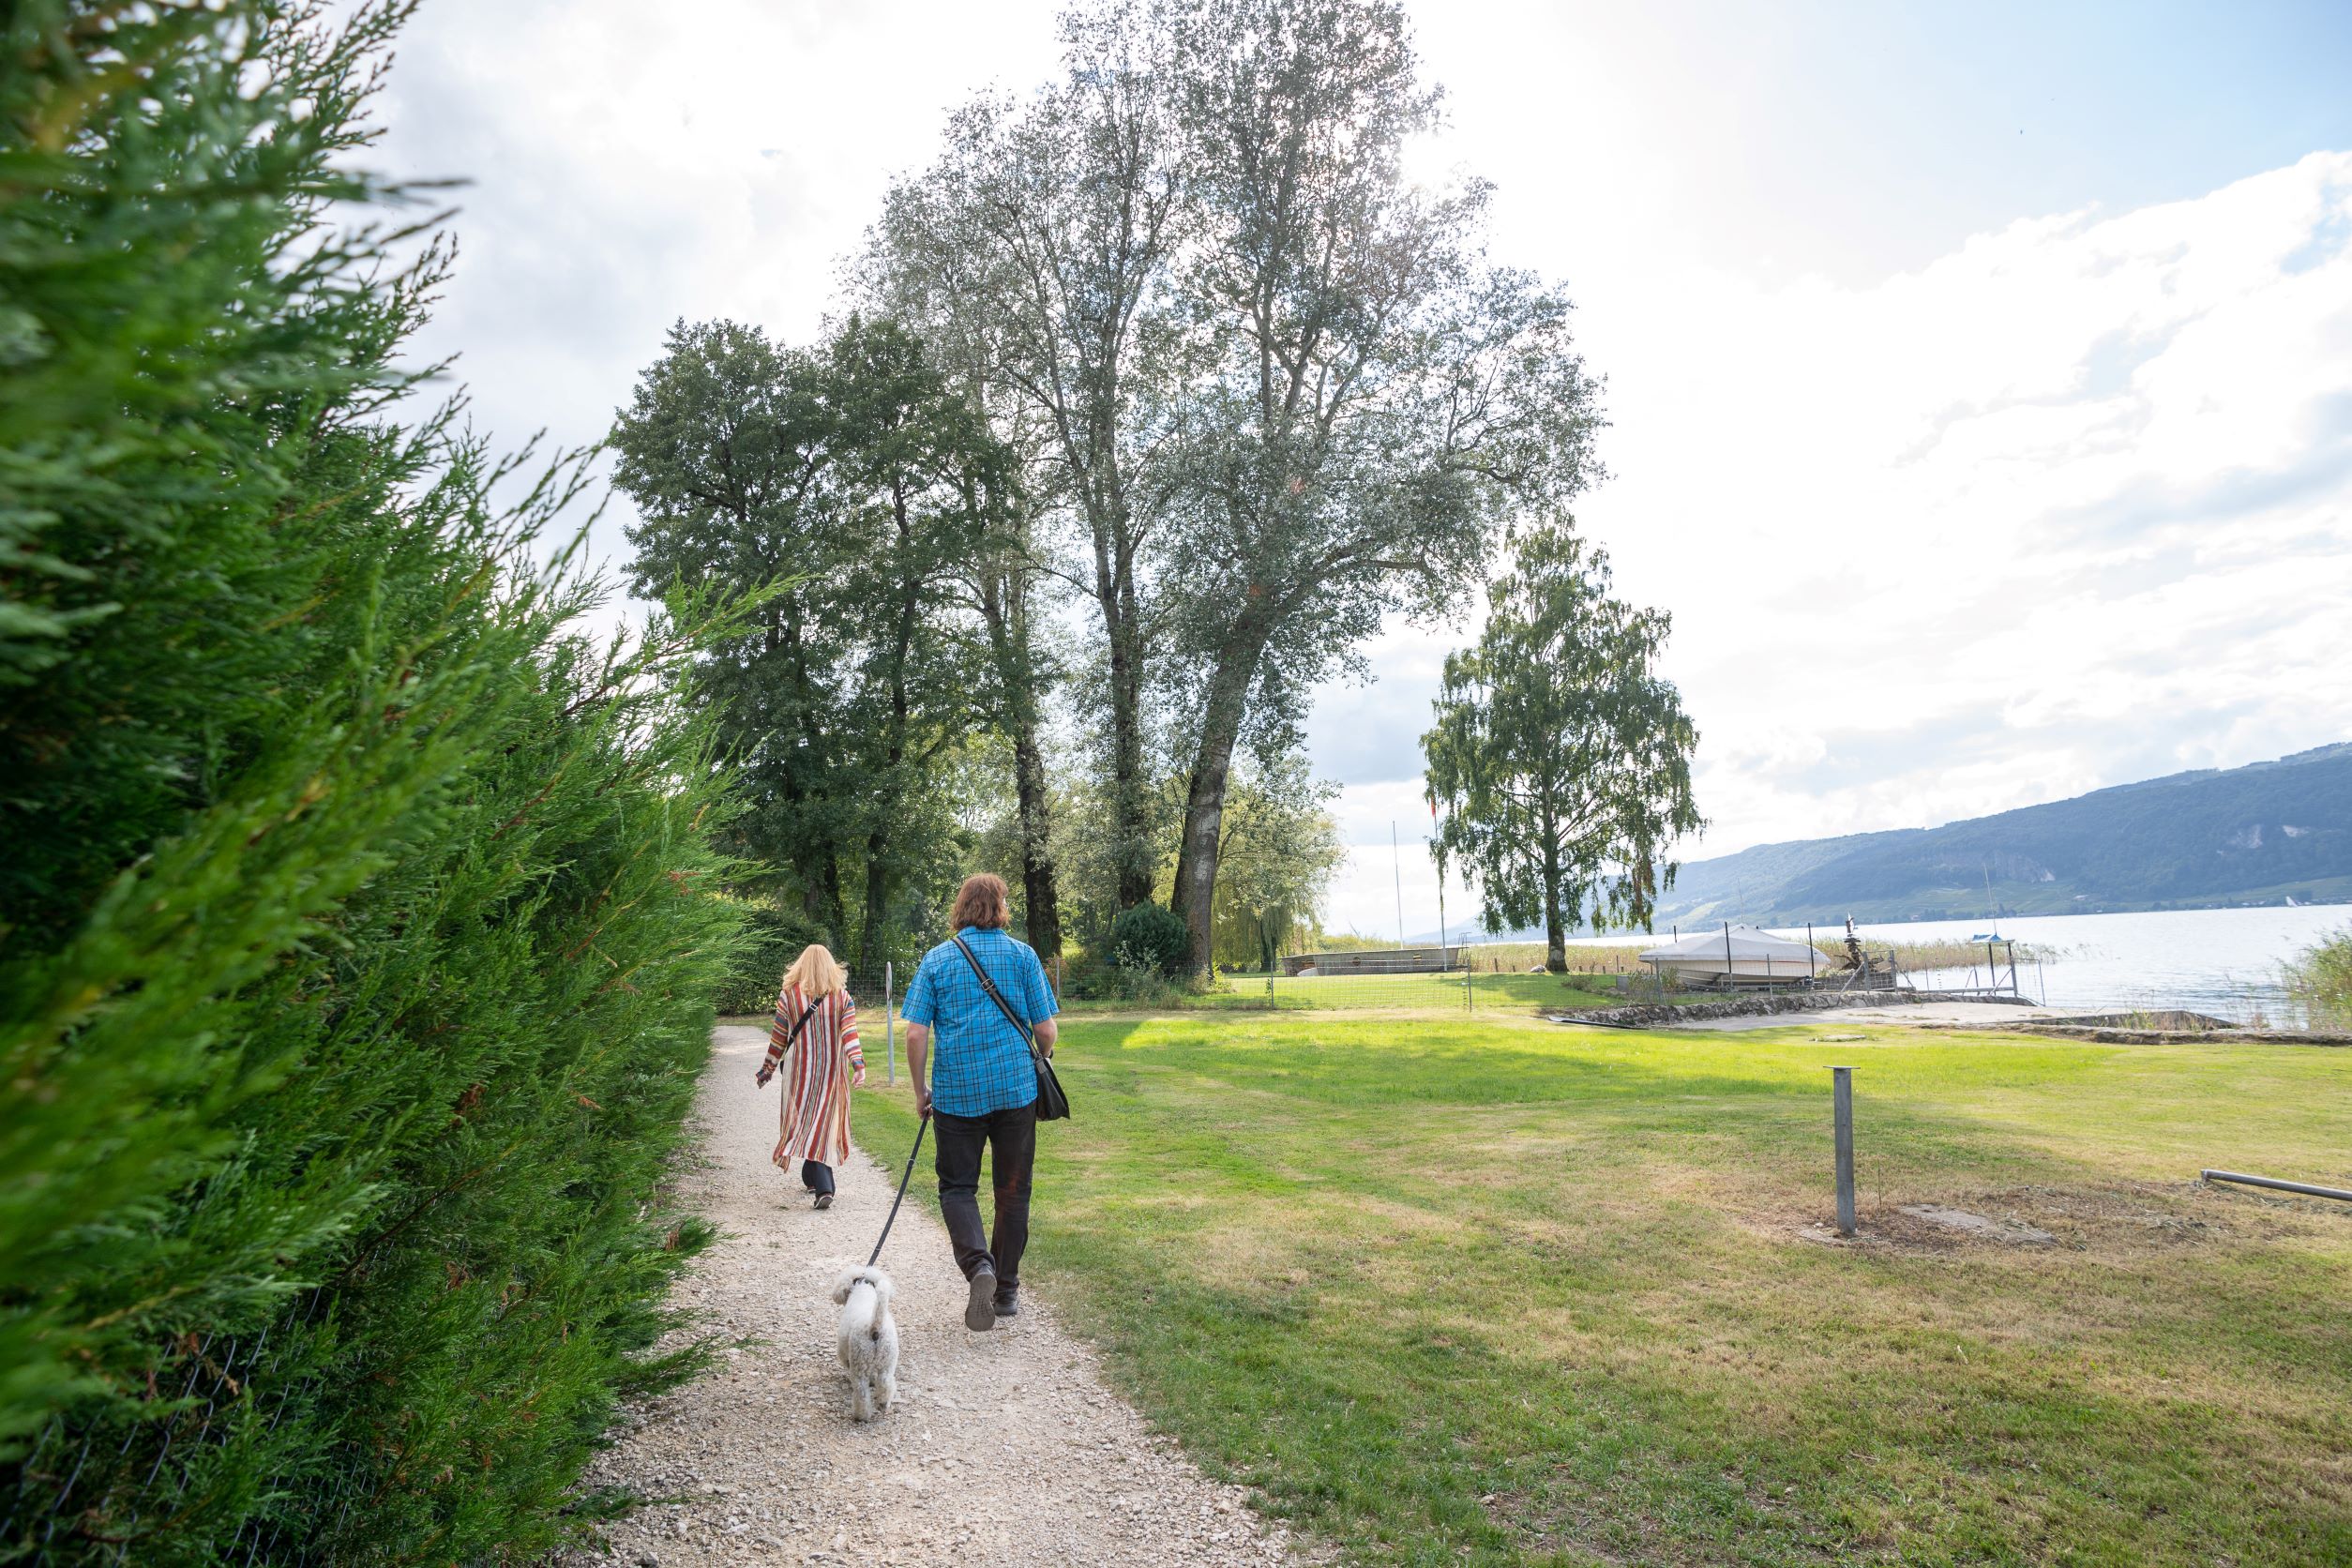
(2068, 506)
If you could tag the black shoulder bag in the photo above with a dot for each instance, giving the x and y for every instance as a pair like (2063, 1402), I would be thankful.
(1052, 1105)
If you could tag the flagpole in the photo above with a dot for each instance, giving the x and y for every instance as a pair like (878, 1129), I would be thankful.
(1396, 861)
(1443, 956)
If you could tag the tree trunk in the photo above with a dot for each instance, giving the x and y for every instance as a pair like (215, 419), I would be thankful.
(1005, 614)
(1041, 899)
(832, 910)
(877, 905)
(1130, 826)
(1194, 897)
(1555, 928)
(895, 749)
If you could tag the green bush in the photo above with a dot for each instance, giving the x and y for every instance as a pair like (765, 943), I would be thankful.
(1152, 938)
(357, 937)
(773, 939)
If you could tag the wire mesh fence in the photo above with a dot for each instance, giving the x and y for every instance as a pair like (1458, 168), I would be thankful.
(879, 993)
(123, 1484)
(1471, 981)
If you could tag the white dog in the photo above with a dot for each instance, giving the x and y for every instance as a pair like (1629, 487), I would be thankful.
(870, 1340)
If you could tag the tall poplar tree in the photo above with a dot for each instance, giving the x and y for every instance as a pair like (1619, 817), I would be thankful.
(1561, 756)
(1376, 397)
(1041, 244)
(1276, 390)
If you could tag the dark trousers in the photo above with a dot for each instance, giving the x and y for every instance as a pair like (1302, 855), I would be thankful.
(1011, 1136)
(815, 1177)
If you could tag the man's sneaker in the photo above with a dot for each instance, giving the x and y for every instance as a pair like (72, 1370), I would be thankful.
(980, 1310)
(824, 1200)
(1008, 1301)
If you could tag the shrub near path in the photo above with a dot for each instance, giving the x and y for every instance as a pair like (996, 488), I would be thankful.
(357, 936)
(1506, 1292)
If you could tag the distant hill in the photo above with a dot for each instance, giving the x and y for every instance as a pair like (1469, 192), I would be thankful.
(2257, 835)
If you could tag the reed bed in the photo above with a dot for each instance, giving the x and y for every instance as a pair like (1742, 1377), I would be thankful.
(2321, 979)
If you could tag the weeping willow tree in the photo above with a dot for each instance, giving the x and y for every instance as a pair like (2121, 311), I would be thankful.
(1282, 849)
(356, 927)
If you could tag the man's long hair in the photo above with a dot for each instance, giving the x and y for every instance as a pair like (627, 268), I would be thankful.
(982, 901)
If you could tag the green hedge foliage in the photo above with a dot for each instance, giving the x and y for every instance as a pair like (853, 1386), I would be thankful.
(1151, 938)
(773, 938)
(358, 915)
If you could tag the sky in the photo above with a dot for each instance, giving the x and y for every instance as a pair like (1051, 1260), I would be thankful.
(1979, 377)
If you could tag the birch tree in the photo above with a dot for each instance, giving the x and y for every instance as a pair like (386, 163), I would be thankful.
(1563, 759)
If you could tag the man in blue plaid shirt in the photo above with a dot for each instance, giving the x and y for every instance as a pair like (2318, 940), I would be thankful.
(984, 1092)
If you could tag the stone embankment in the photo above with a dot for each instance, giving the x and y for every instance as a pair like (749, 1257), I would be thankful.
(1667, 1014)
(2114, 1035)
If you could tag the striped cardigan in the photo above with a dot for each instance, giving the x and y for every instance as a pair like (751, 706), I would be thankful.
(815, 1119)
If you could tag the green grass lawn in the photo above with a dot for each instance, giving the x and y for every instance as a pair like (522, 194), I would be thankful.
(1449, 1290)
(1367, 993)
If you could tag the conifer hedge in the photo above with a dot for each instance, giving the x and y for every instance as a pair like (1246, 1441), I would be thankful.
(358, 923)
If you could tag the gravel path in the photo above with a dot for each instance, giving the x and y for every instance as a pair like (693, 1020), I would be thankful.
(1005, 1447)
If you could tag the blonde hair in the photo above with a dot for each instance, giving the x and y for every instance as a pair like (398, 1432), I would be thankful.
(816, 971)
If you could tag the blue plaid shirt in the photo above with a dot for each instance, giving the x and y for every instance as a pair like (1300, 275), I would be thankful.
(979, 1062)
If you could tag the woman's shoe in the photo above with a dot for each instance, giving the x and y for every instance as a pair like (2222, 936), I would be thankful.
(824, 1200)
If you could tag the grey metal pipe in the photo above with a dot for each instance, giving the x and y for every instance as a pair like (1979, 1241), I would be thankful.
(1842, 1116)
(2303, 1187)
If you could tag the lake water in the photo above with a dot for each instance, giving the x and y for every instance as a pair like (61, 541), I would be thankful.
(2226, 962)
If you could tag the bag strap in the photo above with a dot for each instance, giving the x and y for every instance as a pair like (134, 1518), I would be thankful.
(806, 1013)
(994, 995)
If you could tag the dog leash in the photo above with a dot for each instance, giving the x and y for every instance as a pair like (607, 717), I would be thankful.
(920, 1127)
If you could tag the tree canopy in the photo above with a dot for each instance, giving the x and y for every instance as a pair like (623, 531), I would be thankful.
(1266, 390)
(1561, 756)
(854, 480)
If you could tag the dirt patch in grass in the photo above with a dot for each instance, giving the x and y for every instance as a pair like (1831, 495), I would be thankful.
(1565, 1515)
(2117, 1221)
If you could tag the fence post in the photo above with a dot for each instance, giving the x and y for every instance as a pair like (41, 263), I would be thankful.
(1841, 1115)
(890, 1026)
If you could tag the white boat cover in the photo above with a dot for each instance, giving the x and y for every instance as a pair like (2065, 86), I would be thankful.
(1752, 952)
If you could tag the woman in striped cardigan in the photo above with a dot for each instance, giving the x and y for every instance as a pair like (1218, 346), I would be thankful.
(816, 1022)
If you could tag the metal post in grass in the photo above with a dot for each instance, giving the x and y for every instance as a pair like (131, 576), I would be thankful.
(1841, 1115)
(890, 1028)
